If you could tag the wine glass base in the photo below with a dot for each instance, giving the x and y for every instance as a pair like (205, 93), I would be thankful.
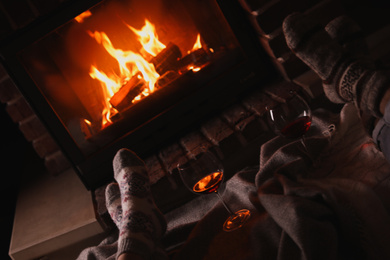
(236, 220)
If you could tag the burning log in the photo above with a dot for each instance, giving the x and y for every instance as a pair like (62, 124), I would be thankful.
(125, 95)
(167, 78)
(197, 58)
(86, 128)
(167, 59)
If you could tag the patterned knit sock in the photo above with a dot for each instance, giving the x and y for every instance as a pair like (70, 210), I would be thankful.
(113, 203)
(142, 224)
(345, 77)
(349, 35)
(313, 45)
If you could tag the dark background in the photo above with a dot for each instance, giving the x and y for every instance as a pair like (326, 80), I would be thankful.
(17, 159)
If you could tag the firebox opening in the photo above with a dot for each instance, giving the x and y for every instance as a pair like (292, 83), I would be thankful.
(98, 67)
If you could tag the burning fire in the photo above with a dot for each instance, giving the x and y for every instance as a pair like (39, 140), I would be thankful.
(131, 64)
(147, 36)
(80, 18)
(197, 45)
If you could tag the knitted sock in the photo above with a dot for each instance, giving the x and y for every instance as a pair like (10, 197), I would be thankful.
(142, 224)
(345, 77)
(349, 35)
(113, 203)
(313, 45)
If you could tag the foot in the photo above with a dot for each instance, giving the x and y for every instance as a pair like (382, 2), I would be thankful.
(346, 78)
(142, 224)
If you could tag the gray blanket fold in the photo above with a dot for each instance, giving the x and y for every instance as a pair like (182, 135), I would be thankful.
(333, 203)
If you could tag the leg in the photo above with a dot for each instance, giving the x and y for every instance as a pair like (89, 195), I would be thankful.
(140, 223)
(346, 77)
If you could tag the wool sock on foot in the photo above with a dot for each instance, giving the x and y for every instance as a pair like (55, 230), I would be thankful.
(345, 78)
(113, 203)
(142, 224)
(349, 35)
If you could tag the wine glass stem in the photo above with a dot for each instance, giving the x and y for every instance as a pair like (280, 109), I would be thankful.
(304, 144)
(307, 151)
(223, 202)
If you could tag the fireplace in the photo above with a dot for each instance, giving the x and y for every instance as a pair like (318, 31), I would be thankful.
(102, 75)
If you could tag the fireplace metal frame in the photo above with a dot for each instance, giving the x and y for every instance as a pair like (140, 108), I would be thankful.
(95, 170)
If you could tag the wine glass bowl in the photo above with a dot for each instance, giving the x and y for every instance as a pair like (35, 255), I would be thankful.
(204, 175)
(292, 118)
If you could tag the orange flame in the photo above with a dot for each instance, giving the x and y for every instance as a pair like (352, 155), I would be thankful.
(147, 36)
(81, 17)
(198, 44)
(129, 64)
(111, 85)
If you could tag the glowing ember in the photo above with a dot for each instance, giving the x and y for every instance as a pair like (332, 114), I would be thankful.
(194, 69)
(88, 122)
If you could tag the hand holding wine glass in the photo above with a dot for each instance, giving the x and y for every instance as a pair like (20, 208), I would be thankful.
(204, 175)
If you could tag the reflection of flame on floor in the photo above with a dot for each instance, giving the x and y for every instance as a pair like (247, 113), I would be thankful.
(140, 77)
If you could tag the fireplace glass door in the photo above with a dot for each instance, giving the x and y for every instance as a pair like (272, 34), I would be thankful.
(121, 63)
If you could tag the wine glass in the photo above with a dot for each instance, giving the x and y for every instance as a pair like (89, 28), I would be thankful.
(291, 119)
(204, 175)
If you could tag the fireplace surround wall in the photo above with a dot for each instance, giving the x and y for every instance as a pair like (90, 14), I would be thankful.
(221, 131)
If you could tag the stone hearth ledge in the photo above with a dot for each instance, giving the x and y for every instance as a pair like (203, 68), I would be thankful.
(54, 219)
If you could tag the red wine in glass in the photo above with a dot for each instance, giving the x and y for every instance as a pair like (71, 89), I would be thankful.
(209, 184)
(291, 119)
(204, 175)
(297, 128)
